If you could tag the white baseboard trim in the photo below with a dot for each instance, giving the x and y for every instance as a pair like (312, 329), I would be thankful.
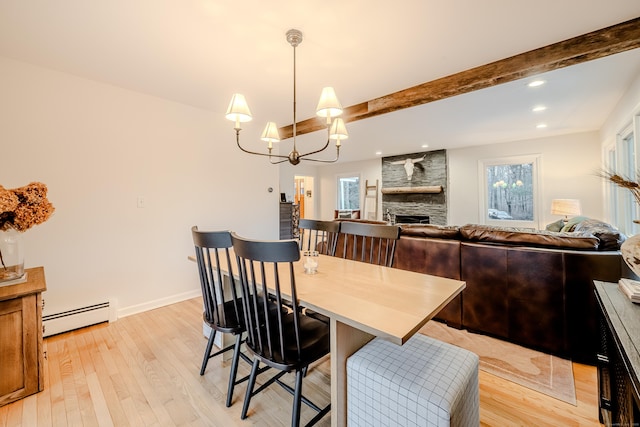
(79, 317)
(161, 302)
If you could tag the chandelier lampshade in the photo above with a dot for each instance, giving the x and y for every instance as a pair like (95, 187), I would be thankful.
(238, 110)
(328, 106)
(338, 131)
(270, 134)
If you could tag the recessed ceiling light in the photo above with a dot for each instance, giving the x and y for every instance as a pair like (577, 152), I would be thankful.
(378, 153)
(536, 83)
(425, 145)
(538, 108)
(541, 125)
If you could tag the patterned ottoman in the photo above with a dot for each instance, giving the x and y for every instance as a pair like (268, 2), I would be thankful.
(425, 382)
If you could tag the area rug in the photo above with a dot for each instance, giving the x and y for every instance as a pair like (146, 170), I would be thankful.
(538, 371)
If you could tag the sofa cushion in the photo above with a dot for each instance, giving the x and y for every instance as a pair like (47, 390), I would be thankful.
(610, 237)
(430, 230)
(514, 236)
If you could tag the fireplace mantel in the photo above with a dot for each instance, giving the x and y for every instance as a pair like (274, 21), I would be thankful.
(413, 190)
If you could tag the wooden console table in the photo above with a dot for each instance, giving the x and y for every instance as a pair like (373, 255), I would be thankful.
(618, 357)
(21, 354)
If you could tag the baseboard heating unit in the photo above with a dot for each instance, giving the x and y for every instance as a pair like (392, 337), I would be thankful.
(77, 318)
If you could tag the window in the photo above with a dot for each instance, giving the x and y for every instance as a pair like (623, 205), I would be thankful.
(621, 159)
(348, 192)
(612, 193)
(509, 191)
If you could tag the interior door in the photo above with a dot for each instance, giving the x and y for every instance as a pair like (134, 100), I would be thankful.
(299, 194)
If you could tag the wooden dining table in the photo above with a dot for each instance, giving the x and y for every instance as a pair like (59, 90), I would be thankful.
(364, 301)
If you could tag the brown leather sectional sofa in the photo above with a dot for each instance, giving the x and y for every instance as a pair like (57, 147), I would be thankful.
(531, 288)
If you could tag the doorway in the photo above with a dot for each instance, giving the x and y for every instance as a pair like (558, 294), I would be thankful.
(303, 195)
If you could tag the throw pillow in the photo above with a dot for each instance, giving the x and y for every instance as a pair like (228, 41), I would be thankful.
(571, 224)
(555, 226)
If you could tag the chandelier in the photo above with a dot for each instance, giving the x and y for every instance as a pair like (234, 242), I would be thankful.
(328, 107)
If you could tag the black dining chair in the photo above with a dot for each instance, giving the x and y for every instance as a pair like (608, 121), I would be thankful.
(366, 242)
(281, 337)
(318, 235)
(321, 236)
(223, 309)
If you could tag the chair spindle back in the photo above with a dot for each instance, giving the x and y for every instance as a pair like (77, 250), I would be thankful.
(266, 272)
(211, 248)
(317, 235)
(371, 243)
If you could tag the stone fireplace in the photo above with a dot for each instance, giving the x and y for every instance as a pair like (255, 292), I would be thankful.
(414, 188)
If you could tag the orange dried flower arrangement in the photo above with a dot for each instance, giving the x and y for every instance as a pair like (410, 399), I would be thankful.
(22, 208)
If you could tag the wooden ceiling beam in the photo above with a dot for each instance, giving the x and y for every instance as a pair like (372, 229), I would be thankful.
(587, 47)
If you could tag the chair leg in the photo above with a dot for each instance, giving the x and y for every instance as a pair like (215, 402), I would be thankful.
(234, 369)
(250, 385)
(207, 352)
(297, 400)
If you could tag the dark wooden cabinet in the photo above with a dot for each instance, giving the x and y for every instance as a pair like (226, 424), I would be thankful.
(286, 220)
(289, 218)
(618, 358)
(21, 354)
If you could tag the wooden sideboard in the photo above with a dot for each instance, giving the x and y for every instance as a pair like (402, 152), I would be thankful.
(618, 357)
(21, 353)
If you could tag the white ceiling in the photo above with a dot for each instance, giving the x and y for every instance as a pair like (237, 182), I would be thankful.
(199, 52)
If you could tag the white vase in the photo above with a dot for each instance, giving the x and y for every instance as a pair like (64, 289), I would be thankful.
(11, 255)
(631, 253)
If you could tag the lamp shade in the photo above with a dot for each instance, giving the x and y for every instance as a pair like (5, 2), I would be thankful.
(270, 133)
(565, 207)
(238, 110)
(328, 106)
(338, 130)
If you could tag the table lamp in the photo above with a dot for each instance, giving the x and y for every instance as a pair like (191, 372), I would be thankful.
(565, 207)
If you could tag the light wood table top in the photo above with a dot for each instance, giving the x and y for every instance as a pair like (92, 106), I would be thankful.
(385, 302)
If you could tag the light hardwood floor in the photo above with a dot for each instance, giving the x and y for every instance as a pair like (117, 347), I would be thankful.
(144, 370)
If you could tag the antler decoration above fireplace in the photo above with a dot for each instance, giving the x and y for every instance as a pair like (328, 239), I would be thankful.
(409, 165)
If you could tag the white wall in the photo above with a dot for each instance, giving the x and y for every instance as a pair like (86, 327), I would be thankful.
(99, 147)
(568, 171)
(622, 115)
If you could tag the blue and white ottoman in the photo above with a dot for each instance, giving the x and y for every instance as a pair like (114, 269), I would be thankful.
(425, 382)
